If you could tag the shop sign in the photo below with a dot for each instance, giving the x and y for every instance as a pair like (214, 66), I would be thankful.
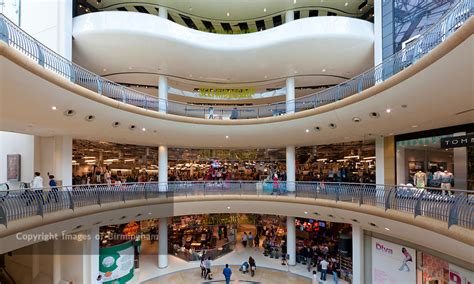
(458, 275)
(392, 263)
(457, 141)
(131, 229)
(226, 93)
(116, 263)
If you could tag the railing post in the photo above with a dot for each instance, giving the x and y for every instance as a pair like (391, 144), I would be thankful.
(99, 85)
(40, 55)
(337, 192)
(124, 98)
(3, 216)
(361, 195)
(3, 30)
(71, 200)
(40, 199)
(417, 209)
(453, 210)
(99, 201)
(387, 200)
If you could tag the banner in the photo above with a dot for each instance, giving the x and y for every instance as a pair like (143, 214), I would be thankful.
(116, 263)
(392, 263)
(226, 93)
(458, 275)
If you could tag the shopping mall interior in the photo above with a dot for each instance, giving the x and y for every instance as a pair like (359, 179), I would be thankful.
(236, 141)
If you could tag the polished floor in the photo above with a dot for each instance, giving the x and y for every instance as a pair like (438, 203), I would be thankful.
(263, 275)
(179, 271)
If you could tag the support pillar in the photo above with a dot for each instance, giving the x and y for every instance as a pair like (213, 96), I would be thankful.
(291, 240)
(163, 168)
(290, 95)
(379, 160)
(91, 256)
(460, 165)
(357, 254)
(290, 169)
(163, 94)
(54, 155)
(378, 32)
(56, 261)
(289, 16)
(163, 243)
(35, 261)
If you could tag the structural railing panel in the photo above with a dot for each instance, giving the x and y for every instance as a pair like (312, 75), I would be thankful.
(455, 207)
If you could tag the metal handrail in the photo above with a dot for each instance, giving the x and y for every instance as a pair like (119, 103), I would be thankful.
(455, 207)
(447, 25)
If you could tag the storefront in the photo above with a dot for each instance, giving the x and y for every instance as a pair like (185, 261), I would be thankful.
(436, 158)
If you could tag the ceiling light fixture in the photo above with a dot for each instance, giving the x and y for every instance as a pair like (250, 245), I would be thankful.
(324, 70)
(307, 130)
(388, 110)
(227, 137)
(143, 129)
(294, 1)
(414, 126)
(228, 207)
(387, 229)
(345, 4)
(306, 212)
(53, 108)
(264, 9)
(228, 14)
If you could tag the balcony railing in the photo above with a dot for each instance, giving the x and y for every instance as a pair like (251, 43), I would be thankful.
(455, 207)
(439, 32)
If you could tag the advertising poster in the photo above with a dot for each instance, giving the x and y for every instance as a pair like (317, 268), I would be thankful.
(458, 275)
(116, 263)
(392, 263)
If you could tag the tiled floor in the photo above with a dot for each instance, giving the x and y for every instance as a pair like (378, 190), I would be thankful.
(269, 270)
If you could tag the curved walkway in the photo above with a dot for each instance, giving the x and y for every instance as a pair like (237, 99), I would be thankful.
(439, 33)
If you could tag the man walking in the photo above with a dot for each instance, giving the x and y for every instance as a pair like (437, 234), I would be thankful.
(324, 269)
(37, 187)
(227, 273)
(207, 265)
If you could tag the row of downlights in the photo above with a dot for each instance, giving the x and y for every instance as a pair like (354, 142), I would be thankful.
(91, 117)
(116, 124)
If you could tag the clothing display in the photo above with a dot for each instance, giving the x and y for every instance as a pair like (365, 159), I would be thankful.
(446, 177)
(420, 179)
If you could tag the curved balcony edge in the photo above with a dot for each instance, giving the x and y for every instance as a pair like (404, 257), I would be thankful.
(399, 67)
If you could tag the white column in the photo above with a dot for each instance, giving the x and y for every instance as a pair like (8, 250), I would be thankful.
(163, 168)
(460, 165)
(290, 168)
(35, 261)
(163, 243)
(163, 12)
(290, 95)
(54, 155)
(289, 16)
(50, 22)
(379, 162)
(91, 256)
(378, 32)
(291, 240)
(56, 261)
(401, 166)
(357, 254)
(163, 93)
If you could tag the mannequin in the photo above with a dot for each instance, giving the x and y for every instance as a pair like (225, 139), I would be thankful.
(420, 179)
(446, 178)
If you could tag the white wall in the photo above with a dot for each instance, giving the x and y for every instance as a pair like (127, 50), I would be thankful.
(50, 22)
(15, 143)
(11, 9)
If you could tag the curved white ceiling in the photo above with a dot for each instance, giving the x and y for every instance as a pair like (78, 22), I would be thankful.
(122, 44)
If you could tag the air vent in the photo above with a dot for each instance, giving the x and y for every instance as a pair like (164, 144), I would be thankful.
(332, 125)
(89, 117)
(116, 124)
(374, 114)
(69, 112)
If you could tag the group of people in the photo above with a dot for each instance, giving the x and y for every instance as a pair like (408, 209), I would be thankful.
(36, 187)
(250, 240)
(206, 273)
(318, 257)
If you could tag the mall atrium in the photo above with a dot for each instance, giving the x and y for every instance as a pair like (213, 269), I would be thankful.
(237, 141)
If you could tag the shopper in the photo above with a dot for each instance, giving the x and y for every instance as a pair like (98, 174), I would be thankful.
(244, 239)
(219, 233)
(53, 189)
(203, 268)
(234, 114)
(315, 277)
(276, 185)
(256, 242)
(207, 265)
(37, 187)
(252, 265)
(227, 273)
(211, 113)
(324, 269)
(250, 239)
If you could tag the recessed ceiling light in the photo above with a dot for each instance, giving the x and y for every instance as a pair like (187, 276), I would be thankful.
(294, 1)
(53, 108)
(228, 14)
(414, 126)
(296, 72)
(227, 137)
(307, 130)
(130, 68)
(345, 4)
(105, 69)
(387, 229)
(228, 207)
(324, 70)
(190, 75)
(391, 133)
(190, 8)
(388, 110)
(264, 9)
(143, 129)
(265, 76)
(149, 213)
(306, 212)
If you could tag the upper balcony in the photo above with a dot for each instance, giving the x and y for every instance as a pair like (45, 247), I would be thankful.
(440, 52)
